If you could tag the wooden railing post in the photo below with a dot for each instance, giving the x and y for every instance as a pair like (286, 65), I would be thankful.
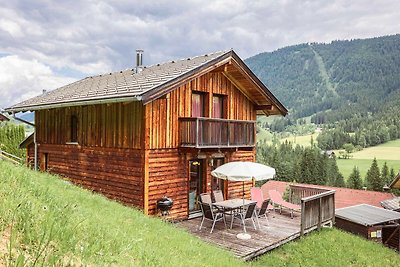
(197, 132)
(303, 218)
(319, 213)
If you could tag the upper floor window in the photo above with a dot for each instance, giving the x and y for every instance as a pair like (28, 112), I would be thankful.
(198, 104)
(74, 128)
(218, 110)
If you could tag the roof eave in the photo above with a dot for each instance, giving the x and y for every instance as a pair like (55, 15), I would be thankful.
(73, 103)
(395, 181)
(282, 109)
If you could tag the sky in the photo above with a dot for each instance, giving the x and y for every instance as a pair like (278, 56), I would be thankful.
(46, 44)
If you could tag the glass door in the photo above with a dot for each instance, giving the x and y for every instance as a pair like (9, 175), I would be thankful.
(196, 182)
(217, 184)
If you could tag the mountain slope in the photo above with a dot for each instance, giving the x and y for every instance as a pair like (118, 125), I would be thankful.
(345, 78)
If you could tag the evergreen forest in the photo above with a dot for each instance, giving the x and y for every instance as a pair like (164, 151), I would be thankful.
(348, 86)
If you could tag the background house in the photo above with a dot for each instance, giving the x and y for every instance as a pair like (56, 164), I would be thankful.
(140, 134)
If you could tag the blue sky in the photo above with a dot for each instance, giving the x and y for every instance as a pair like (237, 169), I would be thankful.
(47, 44)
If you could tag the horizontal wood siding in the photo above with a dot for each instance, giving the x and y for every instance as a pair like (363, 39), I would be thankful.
(235, 189)
(116, 173)
(168, 177)
(30, 155)
(117, 125)
(351, 227)
(163, 113)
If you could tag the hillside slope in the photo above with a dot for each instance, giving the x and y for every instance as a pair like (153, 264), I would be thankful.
(346, 77)
(46, 221)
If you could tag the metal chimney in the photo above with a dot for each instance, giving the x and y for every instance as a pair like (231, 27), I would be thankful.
(139, 59)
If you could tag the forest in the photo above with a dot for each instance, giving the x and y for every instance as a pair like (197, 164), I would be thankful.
(347, 86)
(310, 165)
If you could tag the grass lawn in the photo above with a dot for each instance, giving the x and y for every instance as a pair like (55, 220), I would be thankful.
(45, 221)
(330, 247)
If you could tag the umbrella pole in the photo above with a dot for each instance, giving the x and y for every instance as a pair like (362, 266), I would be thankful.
(243, 192)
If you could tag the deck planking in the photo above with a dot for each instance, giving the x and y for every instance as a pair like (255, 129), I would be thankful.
(279, 230)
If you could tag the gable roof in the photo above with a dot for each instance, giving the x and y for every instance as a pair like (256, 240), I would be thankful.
(153, 82)
(344, 197)
(396, 182)
(3, 117)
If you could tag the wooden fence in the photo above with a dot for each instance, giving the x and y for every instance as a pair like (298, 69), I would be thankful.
(10, 157)
(317, 210)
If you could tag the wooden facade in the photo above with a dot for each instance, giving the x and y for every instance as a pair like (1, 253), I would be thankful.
(133, 151)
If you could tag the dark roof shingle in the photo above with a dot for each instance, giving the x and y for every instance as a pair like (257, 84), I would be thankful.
(121, 84)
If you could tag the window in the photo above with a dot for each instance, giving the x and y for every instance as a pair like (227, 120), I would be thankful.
(218, 106)
(74, 129)
(198, 105)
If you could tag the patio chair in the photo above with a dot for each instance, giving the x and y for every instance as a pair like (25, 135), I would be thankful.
(247, 215)
(276, 199)
(212, 215)
(263, 211)
(257, 195)
(218, 196)
(205, 198)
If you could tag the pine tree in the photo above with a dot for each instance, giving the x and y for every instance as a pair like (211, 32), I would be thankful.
(354, 180)
(373, 178)
(392, 174)
(385, 174)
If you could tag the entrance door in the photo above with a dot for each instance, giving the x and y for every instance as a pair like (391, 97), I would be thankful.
(196, 183)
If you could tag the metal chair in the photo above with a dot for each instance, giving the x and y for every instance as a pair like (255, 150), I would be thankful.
(248, 215)
(210, 214)
(263, 211)
(205, 198)
(218, 196)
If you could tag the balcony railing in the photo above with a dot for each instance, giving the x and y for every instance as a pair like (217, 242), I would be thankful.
(216, 133)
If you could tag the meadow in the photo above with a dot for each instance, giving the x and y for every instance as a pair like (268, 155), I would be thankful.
(388, 152)
(47, 221)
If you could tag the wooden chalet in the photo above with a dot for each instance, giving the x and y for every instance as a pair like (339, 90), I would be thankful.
(140, 134)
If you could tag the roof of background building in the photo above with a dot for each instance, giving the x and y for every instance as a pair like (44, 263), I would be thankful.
(344, 197)
(367, 215)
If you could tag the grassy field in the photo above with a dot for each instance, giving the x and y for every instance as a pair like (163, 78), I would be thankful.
(303, 140)
(389, 152)
(45, 221)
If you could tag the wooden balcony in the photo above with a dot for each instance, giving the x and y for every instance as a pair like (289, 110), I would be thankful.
(216, 133)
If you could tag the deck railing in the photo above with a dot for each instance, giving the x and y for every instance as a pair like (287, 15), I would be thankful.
(317, 210)
(10, 157)
(297, 192)
(216, 133)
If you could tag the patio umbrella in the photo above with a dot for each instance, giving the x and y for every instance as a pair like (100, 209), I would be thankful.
(241, 171)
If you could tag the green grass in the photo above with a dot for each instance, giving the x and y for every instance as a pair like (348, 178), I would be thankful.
(331, 247)
(389, 152)
(55, 223)
(46, 221)
(302, 140)
(346, 165)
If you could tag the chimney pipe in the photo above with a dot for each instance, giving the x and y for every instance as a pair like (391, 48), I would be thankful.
(139, 57)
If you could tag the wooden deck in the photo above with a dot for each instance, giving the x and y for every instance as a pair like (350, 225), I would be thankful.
(280, 230)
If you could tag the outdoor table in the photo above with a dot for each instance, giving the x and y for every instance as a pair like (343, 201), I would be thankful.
(233, 205)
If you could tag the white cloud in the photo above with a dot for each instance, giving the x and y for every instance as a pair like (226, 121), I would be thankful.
(92, 37)
(21, 79)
